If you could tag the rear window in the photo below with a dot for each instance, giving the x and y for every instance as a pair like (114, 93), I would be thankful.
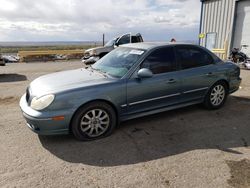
(190, 57)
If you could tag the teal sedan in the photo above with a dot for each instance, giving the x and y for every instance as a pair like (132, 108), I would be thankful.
(132, 81)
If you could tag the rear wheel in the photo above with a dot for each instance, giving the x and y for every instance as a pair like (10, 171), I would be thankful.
(94, 120)
(216, 96)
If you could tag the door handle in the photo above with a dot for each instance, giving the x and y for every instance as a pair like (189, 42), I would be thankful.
(209, 74)
(170, 81)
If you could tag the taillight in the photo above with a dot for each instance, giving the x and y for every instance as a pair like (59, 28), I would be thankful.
(237, 71)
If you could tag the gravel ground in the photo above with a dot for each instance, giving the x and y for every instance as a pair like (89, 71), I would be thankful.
(189, 147)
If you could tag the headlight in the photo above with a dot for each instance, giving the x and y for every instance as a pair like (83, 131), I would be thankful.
(92, 53)
(42, 102)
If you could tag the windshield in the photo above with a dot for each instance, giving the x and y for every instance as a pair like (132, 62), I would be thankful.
(110, 43)
(119, 61)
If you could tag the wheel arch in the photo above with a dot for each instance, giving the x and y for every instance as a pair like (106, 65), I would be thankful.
(92, 101)
(223, 81)
(220, 80)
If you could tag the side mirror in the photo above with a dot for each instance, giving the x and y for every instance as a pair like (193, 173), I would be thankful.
(144, 73)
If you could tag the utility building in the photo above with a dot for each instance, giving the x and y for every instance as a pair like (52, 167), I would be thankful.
(225, 24)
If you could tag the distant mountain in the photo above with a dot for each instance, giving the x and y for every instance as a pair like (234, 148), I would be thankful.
(54, 43)
(66, 43)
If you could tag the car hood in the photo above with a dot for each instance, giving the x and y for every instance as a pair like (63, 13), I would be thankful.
(66, 80)
(100, 49)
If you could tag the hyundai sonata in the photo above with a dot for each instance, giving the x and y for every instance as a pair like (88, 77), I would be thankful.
(133, 80)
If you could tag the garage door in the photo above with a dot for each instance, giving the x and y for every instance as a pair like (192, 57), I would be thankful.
(242, 26)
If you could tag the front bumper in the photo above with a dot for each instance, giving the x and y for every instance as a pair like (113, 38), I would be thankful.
(43, 124)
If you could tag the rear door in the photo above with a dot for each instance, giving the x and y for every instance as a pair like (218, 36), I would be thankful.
(161, 90)
(197, 71)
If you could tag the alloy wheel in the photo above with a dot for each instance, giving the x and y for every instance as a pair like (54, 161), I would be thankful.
(95, 122)
(217, 95)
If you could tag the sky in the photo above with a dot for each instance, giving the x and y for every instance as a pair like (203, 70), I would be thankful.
(87, 20)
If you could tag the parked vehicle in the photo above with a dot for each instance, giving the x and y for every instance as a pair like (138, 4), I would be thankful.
(240, 58)
(10, 58)
(132, 81)
(94, 54)
(60, 57)
(2, 62)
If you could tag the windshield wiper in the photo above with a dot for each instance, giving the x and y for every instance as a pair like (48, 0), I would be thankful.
(100, 71)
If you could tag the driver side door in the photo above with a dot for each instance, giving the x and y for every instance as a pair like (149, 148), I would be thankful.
(160, 90)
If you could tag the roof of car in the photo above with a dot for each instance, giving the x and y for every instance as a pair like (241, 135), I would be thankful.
(150, 45)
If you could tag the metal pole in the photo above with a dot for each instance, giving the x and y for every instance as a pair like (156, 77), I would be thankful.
(103, 39)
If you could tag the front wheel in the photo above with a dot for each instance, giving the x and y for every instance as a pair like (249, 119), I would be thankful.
(216, 96)
(94, 120)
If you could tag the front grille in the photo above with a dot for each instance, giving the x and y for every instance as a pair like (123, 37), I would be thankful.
(27, 95)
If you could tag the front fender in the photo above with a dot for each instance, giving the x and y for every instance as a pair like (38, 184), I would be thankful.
(114, 93)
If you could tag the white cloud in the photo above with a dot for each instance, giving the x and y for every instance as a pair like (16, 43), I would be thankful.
(7, 5)
(88, 19)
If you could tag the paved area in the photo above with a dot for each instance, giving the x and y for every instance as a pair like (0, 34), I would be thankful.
(189, 147)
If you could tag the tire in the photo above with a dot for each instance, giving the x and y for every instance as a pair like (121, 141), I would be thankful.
(216, 96)
(93, 121)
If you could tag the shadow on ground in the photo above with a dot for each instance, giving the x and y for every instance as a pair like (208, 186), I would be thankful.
(12, 77)
(161, 135)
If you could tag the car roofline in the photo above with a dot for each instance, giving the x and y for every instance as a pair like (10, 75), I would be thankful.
(151, 45)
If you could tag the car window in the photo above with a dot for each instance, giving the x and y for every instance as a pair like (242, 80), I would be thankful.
(124, 39)
(110, 43)
(119, 61)
(160, 61)
(140, 38)
(190, 57)
(135, 39)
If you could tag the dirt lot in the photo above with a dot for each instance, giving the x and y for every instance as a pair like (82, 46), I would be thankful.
(189, 147)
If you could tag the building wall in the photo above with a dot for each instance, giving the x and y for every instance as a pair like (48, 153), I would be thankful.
(217, 16)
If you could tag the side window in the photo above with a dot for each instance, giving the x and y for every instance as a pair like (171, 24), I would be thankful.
(124, 39)
(135, 39)
(160, 61)
(190, 57)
